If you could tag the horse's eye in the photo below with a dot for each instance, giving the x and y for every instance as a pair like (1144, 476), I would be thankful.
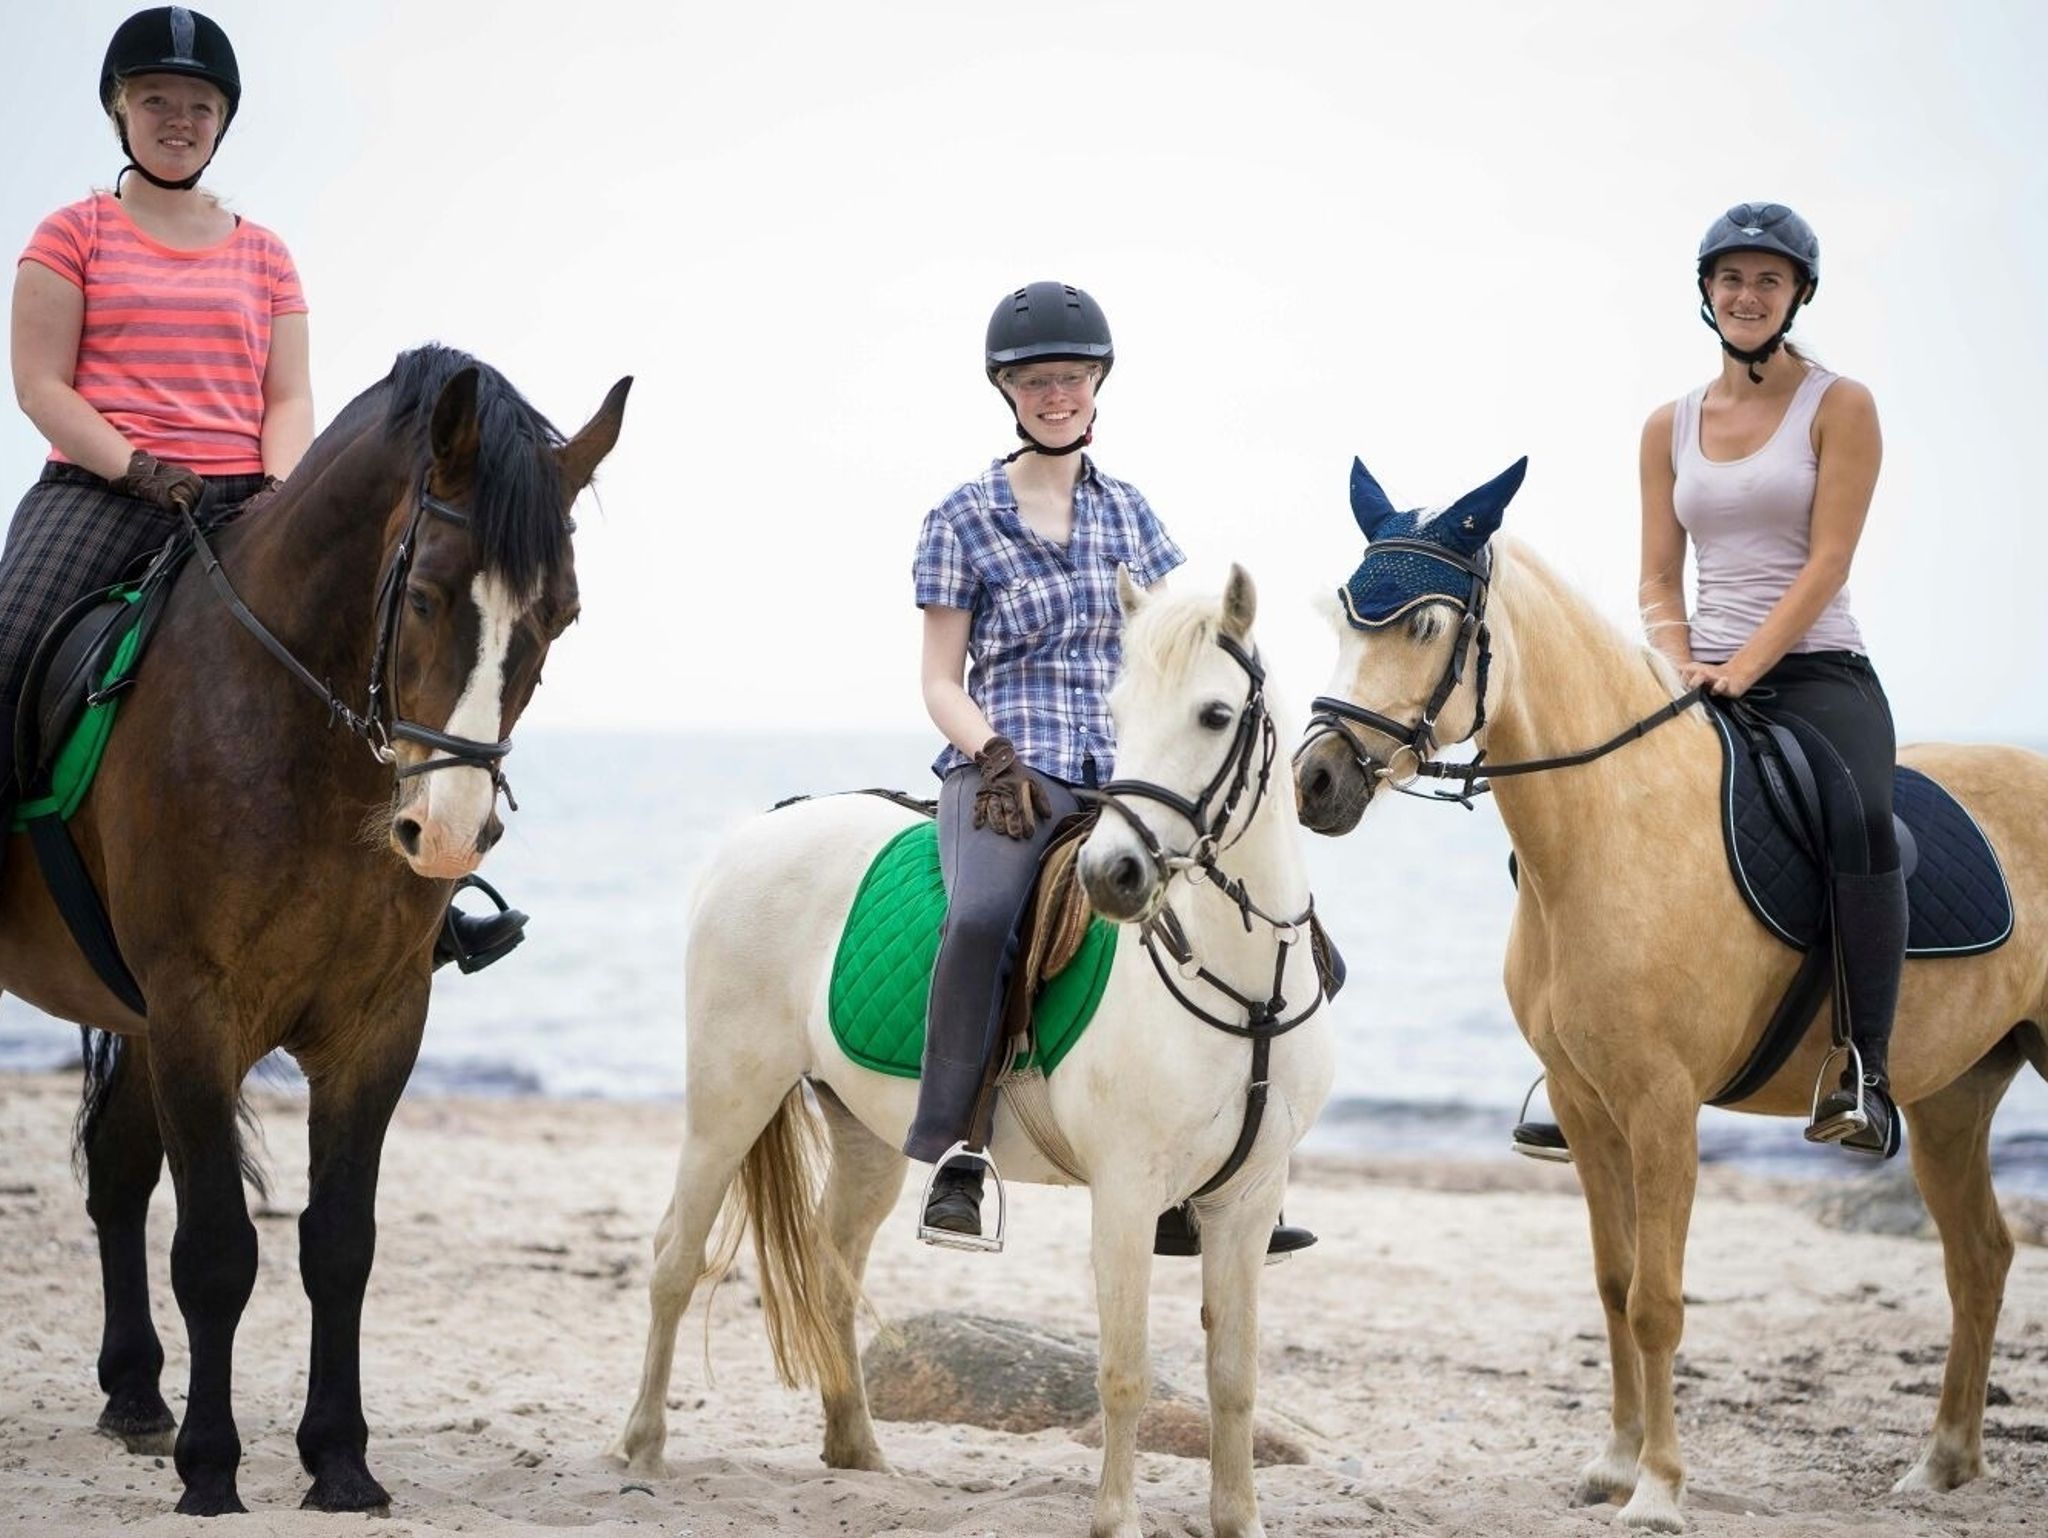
(1215, 716)
(419, 601)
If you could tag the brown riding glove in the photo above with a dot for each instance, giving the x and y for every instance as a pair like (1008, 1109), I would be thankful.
(170, 487)
(1009, 800)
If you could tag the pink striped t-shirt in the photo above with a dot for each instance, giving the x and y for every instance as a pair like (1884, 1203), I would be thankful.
(174, 343)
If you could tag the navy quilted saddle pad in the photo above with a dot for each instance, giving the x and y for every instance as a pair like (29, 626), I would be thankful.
(1956, 892)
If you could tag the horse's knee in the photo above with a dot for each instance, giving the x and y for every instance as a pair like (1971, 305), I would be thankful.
(335, 1251)
(213, 1265)
(1122, 1389)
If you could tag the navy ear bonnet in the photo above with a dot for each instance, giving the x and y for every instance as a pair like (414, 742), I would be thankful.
(1389, 583)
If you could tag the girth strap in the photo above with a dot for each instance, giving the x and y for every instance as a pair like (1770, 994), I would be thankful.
(78, 901)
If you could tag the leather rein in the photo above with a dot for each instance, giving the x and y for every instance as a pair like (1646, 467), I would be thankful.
(1417, 740)
(371, 724)
(1248, 766)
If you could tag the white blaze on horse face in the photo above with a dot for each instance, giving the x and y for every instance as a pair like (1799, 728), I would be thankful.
(458, 802)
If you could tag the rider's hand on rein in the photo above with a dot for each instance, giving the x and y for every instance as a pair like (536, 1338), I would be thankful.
(149, 479)
(1009, 800)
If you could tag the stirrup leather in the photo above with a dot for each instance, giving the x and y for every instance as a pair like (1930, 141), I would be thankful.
(945, 1238)
(1843, 1123)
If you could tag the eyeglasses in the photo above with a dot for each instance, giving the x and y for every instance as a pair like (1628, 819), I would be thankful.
(1070, 382)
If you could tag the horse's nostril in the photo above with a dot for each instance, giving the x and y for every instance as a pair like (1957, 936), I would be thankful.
(1127, 875)
(1318, 782)
(488, 835)
(407, 830)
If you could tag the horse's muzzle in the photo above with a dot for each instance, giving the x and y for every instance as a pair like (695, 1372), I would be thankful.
(1122, 885)
(1331, 788)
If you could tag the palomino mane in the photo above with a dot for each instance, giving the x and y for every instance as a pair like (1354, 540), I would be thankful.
(1523, 580)
(517, 510)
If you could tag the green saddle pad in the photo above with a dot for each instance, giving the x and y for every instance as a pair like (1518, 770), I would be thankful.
(78, 760)
(883, 971)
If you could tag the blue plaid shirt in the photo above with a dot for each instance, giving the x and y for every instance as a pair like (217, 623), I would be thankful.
(1047, 635)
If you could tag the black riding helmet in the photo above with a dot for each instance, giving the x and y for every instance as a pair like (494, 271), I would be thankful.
(1047, 323)
(171, 40)
(1760, 227)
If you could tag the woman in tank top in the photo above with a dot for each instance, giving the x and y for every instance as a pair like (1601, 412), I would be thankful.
(1767, 473)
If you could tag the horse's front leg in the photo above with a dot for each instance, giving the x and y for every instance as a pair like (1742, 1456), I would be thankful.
(1233, 1255)
(1663, 1140)
(350, 1107)
(1122, 1224)
(195, 1078)
(1601, 1157)
(124, 1158)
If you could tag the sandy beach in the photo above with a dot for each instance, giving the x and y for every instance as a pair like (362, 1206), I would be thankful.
(1439, 1355)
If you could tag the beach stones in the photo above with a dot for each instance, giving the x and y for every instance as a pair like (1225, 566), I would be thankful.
(1007, 1375)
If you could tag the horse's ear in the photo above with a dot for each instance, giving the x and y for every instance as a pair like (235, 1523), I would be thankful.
(1240, 603)
(1369, 505)
(580, 456)
(453, 435)
(1473, 519)
(1129, 596)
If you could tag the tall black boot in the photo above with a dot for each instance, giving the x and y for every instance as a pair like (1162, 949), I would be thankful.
(1870, 928)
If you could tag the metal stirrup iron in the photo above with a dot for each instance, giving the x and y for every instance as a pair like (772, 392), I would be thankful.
(946, 1238)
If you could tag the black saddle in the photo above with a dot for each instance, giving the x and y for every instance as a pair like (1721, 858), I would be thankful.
(1770, 803)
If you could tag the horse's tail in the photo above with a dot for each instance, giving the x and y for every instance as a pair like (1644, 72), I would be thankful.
(777, 1194)
(105, 1057)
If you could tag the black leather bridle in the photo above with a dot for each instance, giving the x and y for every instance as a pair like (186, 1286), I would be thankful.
(1417, 739)
(1331, 716)
(1248, 765)
(378, 725)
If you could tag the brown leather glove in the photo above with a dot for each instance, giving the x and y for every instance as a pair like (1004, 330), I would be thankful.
(149, 479)
(1009, 800)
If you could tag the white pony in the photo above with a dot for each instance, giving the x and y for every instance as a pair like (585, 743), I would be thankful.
(1152, 1102)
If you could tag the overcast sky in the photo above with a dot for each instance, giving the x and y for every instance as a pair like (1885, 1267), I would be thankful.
(1437, 236)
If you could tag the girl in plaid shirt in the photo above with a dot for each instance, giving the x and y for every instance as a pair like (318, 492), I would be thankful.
(1016, 575)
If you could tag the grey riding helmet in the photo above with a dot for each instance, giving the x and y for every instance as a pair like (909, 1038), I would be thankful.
(1760, 227)
(1042, 322)
(171, 40)
(1045, 323)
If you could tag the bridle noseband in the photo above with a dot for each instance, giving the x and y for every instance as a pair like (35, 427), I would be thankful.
(378, 725)
(1331, 716)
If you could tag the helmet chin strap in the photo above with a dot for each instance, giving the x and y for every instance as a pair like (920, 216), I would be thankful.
(183, 184)
(1751, 356)
(1033, 446)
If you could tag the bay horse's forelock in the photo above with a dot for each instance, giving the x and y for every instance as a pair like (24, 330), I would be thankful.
(225, 833)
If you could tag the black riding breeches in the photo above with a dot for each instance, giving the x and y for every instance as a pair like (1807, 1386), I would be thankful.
(1839, 696)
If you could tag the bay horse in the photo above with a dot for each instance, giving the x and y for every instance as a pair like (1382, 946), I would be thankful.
(1152, 1101)
(1633, 966)
(275, 881)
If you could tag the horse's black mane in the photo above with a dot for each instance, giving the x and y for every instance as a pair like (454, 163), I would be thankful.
(518, 512)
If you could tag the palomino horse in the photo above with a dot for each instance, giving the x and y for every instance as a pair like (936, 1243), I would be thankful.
(1151, 1100)
(273, 882)
(1634, 968)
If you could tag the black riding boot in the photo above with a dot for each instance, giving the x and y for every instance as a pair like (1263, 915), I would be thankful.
(1870, 926)
(474, 941)
(1176, 1234)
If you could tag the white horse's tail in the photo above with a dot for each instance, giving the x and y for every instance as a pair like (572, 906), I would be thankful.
(776, 1193)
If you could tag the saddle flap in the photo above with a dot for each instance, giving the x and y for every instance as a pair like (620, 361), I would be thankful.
(1055, 922)
(70, 662)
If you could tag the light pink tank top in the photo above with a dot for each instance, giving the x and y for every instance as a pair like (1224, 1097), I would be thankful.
(1751, 520)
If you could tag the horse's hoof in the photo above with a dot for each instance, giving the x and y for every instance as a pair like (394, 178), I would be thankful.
(1650, 1510)
(868, 1458)
(354, 1490)
(141, 1428)
(1938, 1473)
(645, 1464)
(219, 1500)
(1604, 1480)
